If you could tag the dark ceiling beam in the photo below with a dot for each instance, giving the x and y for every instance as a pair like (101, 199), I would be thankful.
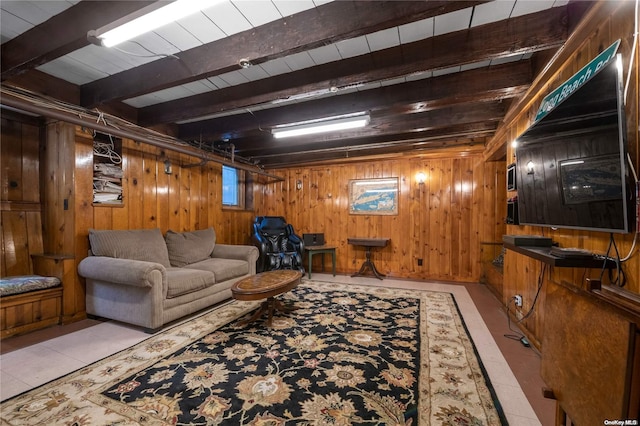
(59, 89)
(443, 134)
(306, 30)
(349, 154)
(483, 84)
(48, 85)
(467, 113)
(525, 34)
(62, 34)
(391, 126)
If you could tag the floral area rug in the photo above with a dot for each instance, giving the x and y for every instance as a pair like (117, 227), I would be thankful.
(348, 355)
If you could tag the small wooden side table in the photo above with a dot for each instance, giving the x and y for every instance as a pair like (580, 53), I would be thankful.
(368, 244)
(311, 250)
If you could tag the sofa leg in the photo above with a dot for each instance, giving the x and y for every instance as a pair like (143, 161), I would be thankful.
(151, 330)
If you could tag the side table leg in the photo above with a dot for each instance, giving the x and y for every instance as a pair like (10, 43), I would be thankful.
(361, 271)
(379, 275)
(333, 261)
(369, 264)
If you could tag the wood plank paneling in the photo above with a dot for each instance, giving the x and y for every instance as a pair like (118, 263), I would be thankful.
(20, 214)
(15, 230)
(84, 193)
(432, 224)
(58, 167)
(11, 148)
(30, 164)
(22, 228)
(150, 191)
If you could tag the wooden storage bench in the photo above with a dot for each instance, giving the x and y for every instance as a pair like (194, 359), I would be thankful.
(29, 309)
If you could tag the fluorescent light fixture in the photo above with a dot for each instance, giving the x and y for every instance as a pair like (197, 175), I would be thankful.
(156, 18)
(321, 126)
(572, 163)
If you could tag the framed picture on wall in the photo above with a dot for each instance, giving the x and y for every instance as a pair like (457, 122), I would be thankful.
(373, 196)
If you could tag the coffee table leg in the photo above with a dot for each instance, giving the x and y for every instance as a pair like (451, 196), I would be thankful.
(269, 306)
(271, 303)
(264, 307)
(279, 306)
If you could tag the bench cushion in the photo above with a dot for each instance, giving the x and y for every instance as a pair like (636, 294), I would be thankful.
(26, 283)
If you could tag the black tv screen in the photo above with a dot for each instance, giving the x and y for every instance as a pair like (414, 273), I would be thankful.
(571, 164)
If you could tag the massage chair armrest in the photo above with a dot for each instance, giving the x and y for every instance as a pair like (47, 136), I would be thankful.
(135, 273)
(297, 242)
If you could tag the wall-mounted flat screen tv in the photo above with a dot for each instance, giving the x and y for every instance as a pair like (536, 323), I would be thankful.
(572, 170)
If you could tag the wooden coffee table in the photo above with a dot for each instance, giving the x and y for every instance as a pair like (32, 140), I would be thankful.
(266, 285)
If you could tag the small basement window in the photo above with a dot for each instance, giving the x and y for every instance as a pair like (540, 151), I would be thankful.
(236, 188)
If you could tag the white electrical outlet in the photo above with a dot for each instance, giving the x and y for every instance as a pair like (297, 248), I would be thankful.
(518, 299)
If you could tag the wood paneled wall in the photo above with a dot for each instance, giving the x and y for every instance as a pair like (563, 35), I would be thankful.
(21, 230)
(21, 219)
(186, 200)
(441, 221)
(607, 22)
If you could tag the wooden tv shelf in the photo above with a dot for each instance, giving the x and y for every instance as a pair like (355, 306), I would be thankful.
(543, 254)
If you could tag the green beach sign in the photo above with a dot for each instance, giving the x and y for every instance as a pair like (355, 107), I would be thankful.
(554, 98)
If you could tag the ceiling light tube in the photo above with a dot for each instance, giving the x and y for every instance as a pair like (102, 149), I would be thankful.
(156, 18)
(331, 125)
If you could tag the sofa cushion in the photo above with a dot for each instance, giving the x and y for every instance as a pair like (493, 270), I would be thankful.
(190, 247)
(182, 281)
(138, 244)
(224, 269)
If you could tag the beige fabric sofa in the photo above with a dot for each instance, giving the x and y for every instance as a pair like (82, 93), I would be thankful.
(142, 278)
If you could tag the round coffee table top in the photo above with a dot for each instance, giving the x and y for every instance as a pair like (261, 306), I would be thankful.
(266, 284)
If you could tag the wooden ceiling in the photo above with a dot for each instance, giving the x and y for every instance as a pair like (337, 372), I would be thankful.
(447, 88)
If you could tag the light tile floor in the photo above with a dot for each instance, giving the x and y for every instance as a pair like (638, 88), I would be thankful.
(39, 357)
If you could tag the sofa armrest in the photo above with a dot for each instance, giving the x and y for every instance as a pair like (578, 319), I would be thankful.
(136, 273)
(237, 251)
